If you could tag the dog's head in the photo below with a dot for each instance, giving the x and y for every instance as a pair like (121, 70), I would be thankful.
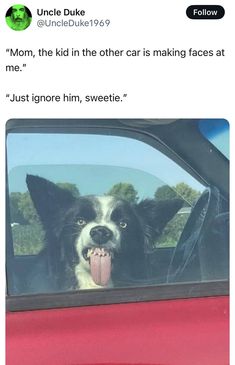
(100, 235)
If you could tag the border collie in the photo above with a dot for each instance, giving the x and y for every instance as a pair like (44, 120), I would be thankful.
(93, 241)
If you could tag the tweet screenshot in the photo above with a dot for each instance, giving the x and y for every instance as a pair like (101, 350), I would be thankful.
(115, 125)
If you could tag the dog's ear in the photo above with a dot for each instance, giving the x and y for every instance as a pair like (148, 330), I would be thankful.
(156, 214)
(48, 198)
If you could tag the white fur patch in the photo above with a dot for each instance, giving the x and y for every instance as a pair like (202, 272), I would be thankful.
(106, 204)
(104, 210)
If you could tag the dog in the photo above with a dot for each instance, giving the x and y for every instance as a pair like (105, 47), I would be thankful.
(93, 242)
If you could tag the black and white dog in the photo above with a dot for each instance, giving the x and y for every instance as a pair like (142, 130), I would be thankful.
(92, 241)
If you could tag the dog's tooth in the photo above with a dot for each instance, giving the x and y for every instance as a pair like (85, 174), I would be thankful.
(90, 252)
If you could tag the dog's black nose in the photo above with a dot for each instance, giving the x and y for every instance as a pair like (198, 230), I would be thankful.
(101, 234)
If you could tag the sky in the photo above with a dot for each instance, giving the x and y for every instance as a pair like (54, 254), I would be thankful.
(93, 162)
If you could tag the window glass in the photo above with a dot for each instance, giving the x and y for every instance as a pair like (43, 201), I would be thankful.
(93, 211)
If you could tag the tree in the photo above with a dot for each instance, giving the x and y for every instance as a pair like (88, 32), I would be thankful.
(70, 187)
(27, 209)
(124, 191)
(15, 213)
(174, 228)
(180, 190)
(188, 194)
(165, 192)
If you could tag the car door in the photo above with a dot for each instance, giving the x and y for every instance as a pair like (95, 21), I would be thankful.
(177, 312)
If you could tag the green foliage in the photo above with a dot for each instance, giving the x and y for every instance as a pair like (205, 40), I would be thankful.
(28, 239)
(70, 187)
(26, 207)
(124, 191)
(174, 228)
(15, 213)
(172, 231)
(22, 209)
(165, 192)
(188, 194)
(180, 190)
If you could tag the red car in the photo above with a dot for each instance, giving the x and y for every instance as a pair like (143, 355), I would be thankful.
(167, 305)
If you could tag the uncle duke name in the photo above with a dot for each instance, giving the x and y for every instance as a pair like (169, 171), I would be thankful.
(57, 12)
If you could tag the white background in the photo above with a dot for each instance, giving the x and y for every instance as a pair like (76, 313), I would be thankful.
(156, 88)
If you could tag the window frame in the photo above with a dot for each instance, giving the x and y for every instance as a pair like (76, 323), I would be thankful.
(116, 296)
(118, 127)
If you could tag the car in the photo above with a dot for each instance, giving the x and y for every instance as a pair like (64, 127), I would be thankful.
(175, 310)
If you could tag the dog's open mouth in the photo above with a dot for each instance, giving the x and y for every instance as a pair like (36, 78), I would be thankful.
(100, 260)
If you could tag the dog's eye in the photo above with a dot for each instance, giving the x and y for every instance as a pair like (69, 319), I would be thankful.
(81, 222)
(123, 224)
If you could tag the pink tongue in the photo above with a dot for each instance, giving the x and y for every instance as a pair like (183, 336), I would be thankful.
(100, 262)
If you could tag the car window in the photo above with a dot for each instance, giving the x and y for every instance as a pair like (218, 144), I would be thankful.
(90, 211)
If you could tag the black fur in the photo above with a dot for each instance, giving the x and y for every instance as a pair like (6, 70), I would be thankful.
(59, 213)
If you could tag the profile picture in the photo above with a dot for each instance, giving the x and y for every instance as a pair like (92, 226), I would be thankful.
(18, 17)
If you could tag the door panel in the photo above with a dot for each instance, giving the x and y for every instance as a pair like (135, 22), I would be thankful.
(179, 332)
